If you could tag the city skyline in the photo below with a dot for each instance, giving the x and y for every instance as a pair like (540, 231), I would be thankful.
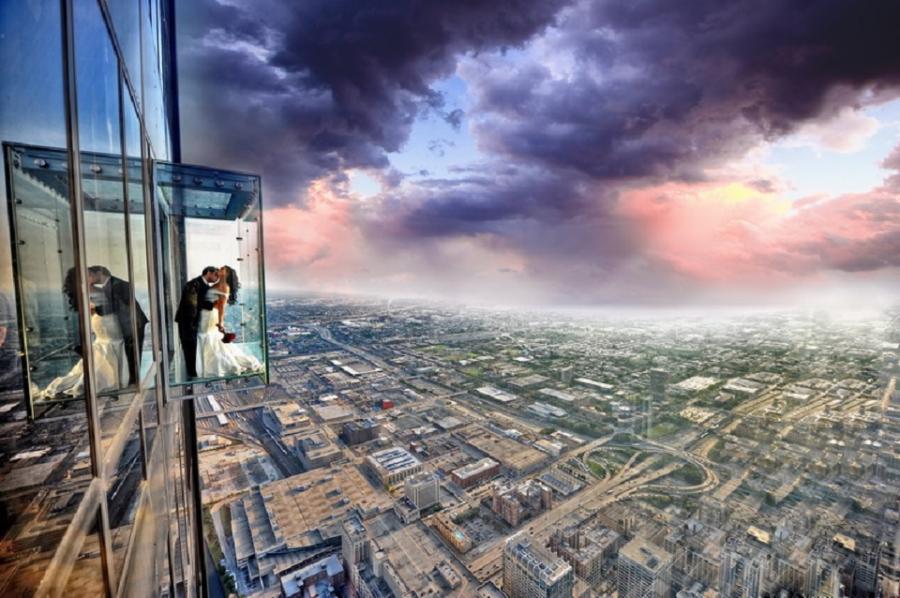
(560, 153)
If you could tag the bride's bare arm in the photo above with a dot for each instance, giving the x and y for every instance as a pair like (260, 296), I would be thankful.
(220, 303)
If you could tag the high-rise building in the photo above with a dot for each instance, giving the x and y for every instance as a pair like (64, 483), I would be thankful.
(645, 570)
(743, 572)
(354, 541)
(529, 572)
(423, 490)
(100, 230)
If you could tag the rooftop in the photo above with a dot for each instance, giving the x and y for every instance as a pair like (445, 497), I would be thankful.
(645, 553)
(394, 459)
(549, 569)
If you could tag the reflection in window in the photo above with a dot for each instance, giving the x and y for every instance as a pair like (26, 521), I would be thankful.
(86, 578)
(43, 244)
(46, 277)
(153, 93)
(126, 18)
(138, 234)
(97, 78)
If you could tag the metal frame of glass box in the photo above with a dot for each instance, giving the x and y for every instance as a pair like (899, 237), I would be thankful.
(181, 193)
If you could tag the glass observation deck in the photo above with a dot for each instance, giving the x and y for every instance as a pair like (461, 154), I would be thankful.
(202, 220)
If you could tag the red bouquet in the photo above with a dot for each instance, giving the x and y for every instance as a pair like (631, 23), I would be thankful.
(228, 337)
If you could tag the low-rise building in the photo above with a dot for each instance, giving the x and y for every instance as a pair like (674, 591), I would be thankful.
(475, 473)
(316, 449)
(393, 465)
(285, 418)
(517, 503)
(360, 431)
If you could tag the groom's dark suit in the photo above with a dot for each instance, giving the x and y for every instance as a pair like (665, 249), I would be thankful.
(193, 301)
(118, 301)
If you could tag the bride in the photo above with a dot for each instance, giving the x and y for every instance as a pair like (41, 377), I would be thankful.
(108, 344)
(215, 357)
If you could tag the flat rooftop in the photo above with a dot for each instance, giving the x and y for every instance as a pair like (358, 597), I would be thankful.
(507, 451)
(695, 383)
(496, 394)
(305, 508)
(547, 567)
(394, 459)
(476, 468)
(645, 553)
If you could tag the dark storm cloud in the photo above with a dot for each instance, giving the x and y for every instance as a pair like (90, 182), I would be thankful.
(664, 89)
(485, 201)
(296, 90)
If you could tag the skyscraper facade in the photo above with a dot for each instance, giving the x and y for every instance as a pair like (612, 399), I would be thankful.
(99, 482)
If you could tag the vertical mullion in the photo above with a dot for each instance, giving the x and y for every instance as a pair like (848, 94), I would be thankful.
(189, 426)
(261, 276)
(132, 307)
(21, 318)
(82, 298)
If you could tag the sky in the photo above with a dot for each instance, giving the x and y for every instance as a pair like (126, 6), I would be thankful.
(554, 152)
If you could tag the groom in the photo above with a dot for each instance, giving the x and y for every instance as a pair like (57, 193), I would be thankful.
(117, 295)
(193, 301)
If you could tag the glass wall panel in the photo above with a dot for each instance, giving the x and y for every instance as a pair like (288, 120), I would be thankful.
(87, 578)
(216, 288)
(150, 420)
(143, 345)
(32, 110)
(45, 470)
(153, 95)
(116, 329)
(148, 570)
(43, 244)
(126, 18)
(97, 77)
(124, 486)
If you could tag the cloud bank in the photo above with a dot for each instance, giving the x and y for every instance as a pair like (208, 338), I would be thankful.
(614, 139)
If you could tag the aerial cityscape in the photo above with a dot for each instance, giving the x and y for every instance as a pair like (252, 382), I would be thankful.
(437, 450)
(424, 299)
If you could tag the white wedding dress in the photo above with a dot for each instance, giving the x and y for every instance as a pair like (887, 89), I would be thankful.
(216, 359)
(110, 359)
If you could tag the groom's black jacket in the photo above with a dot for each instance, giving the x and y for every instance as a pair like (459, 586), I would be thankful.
(118, 301)
(193, 300)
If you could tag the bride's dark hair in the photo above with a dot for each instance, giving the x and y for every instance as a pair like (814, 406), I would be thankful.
(231, 278)
(69, 289)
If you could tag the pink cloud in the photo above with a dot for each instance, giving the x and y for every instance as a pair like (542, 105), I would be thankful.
(735, 234)
(317, 242)
(338, 242)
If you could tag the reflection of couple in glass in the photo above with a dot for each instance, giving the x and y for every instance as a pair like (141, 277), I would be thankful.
(116, 362)
(208, 350)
